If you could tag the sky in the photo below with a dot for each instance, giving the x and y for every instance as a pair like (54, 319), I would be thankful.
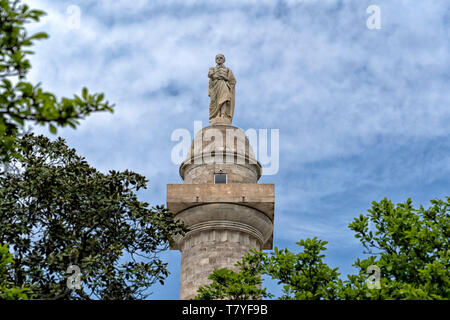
(363, 113)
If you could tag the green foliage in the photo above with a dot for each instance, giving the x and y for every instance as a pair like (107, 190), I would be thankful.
(304, 275)
(57, 211)
(243, 285)
(7, 292)
(22, 101)
(412, 247)
(412, 256)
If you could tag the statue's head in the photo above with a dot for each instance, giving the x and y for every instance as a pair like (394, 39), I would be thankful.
(220, 59)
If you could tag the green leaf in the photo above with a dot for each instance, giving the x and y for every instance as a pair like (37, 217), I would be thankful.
(53, 129)
(85, 94)
(38, 36)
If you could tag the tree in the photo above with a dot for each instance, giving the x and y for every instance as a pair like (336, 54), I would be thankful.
(6, 291)
(411, 262)
(22, 101)
(412, 251)
(57, 211)
(304, 275)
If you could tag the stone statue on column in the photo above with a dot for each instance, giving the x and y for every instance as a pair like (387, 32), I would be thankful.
(221, 92)
(225, 218)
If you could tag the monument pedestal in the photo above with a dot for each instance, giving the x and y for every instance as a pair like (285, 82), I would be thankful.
(225, 209)
(220, 120)
(226, 220)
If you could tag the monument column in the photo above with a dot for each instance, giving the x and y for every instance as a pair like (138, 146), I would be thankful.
(226, 210)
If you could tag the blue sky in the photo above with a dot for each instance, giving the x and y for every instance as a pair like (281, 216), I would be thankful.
(362, 114)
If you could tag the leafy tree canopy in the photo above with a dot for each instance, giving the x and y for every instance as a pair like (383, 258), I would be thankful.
(22, 101)
(409, 260)
(57, 211)
(7, 292)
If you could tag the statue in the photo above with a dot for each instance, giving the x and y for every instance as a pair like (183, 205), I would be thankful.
(221, 92)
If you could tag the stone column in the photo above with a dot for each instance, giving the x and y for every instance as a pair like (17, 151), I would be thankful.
(225, 221)
(207, 251)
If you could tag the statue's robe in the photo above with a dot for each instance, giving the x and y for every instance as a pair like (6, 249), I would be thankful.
(221, 92)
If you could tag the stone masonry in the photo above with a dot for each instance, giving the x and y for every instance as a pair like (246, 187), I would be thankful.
(225, 221)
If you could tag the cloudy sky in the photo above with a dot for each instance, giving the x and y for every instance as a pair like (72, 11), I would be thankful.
(362, 113)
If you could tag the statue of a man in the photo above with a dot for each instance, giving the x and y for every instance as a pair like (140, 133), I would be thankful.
(221, 92)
